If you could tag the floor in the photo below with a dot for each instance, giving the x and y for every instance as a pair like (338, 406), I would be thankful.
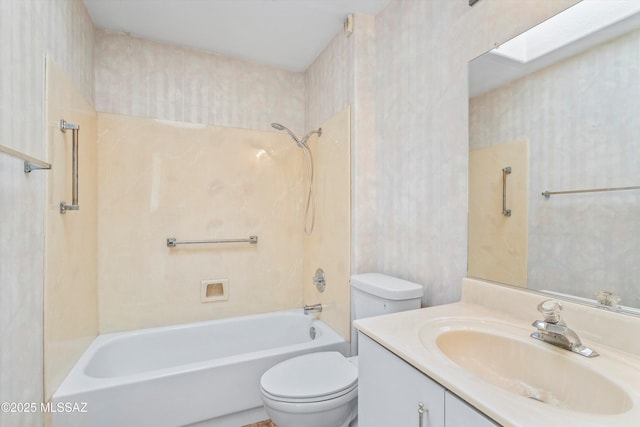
(265, 423)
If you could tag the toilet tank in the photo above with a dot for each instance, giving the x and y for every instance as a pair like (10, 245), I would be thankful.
(374, 294)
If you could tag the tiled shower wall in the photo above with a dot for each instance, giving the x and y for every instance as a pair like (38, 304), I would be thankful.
(28, 31)
(328, 247)
(70, 257)
(137, 77)
(160, 179)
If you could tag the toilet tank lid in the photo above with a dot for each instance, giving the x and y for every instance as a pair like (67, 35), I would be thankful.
(388, 287)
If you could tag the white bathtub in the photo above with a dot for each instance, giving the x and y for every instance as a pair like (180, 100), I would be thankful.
(205, 373)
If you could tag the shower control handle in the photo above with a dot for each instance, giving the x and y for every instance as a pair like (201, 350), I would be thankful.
(319, 280)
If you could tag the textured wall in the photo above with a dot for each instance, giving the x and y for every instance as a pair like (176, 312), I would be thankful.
(144, 78)
(406, 80)
(344, 74)
(329, 81)
(28, 30)
(580, 117)
(423, 47)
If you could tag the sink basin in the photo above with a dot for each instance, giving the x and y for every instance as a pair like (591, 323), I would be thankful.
(548, 375)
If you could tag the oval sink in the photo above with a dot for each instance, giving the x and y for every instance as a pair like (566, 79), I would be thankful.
(545, 375)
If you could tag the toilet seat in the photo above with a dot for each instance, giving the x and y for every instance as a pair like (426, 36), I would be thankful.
(313, 377)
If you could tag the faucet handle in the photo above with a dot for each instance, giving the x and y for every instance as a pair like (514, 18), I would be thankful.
(550, 309)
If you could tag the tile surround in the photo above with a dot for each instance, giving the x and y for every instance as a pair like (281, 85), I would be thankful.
(160, 179)
(498, 243)
(328, 247)
(70, 259)
(244, 182)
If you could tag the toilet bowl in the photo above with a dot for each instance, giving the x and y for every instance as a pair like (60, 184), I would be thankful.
(321, 389)
(313, 390)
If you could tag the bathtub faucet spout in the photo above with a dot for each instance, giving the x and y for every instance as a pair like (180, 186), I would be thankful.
(315, 308)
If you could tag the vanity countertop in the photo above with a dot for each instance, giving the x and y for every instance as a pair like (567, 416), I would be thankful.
(612, 335)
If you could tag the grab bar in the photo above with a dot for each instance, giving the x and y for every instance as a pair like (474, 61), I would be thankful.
(548, 194)
(30, 163)
(505, 171)
(64, 125)
(172, 242)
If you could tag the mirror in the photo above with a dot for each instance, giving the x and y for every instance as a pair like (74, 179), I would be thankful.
(562, 111)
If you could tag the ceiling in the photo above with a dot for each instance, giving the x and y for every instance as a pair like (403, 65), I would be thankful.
(284, 33)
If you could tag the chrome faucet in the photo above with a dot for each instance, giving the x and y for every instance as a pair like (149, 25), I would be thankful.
(315, 308)
(554, 331)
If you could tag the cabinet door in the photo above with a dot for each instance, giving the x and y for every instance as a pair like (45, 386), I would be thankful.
(460, 414)
(390, 390)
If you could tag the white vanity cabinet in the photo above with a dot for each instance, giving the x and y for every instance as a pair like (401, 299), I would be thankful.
(458, 413)
(391, 392)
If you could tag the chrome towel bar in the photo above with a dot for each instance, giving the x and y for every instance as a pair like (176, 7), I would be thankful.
(172, 242)
(30, 163)
(548, 194)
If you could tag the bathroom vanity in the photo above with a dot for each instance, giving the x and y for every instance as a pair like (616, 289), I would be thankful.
(475, 363)
(392, 392)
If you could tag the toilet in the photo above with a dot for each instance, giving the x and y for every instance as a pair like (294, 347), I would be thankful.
(321, 389)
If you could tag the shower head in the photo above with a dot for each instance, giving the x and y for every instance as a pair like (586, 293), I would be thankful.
(278, 126)
(308, 160)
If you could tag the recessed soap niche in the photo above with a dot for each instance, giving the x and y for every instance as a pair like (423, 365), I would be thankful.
(214, 290)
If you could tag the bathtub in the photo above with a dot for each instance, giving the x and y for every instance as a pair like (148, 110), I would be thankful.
(199, 374)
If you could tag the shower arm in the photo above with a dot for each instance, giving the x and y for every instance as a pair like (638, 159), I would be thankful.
(300, 142)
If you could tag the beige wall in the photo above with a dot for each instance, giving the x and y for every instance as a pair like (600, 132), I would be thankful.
(70, 280)
(29, 29)
(162, 179)
(498, 243)
(328, 246)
